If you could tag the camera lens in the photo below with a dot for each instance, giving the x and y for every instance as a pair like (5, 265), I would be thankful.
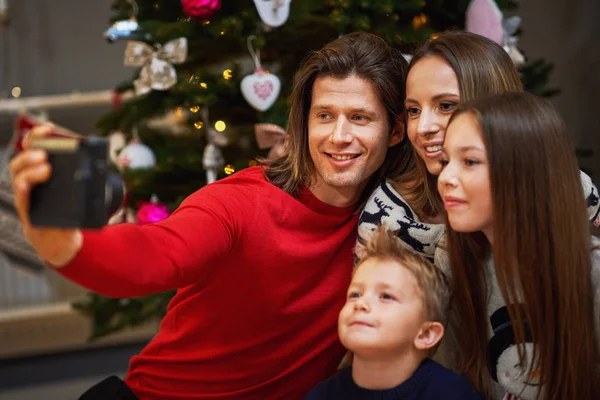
(114, 193)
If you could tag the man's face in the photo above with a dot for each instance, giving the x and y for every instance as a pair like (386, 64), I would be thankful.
(348, 136)
(384, 310)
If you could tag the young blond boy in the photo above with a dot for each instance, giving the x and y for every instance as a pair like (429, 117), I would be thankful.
(392, 322)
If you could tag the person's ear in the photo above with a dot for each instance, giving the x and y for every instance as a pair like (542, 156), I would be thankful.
(429, 335)
(398, 131)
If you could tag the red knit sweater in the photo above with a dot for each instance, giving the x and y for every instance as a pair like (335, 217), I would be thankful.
(261, 278)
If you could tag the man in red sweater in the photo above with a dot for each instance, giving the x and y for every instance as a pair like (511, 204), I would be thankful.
(261, 260)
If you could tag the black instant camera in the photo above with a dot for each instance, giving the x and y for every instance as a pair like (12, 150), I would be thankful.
(82, 192)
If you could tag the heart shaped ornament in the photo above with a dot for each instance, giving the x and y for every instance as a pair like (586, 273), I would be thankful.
(260, 89)
(273, 13)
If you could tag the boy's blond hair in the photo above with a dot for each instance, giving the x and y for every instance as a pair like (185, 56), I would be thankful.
(431, 281)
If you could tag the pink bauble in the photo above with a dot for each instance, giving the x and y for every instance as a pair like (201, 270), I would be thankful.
(152, 211)
(485, 18)
(200, 9)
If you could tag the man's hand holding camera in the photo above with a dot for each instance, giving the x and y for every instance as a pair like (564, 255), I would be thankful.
(57, 246)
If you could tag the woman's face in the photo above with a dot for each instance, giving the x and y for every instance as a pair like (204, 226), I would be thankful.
(464, 183)
(432, 94)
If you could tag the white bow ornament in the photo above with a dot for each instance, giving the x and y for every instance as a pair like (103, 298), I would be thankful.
(158, 72)
(510, 39)
(273, 13)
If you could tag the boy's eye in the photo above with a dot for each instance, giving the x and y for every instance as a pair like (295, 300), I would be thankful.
(323, 115)
(470, 162)
(387, 296)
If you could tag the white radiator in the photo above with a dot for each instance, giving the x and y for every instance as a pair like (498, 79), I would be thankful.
(55, 327)
(25, 287)
(19, 287)
(36, 315)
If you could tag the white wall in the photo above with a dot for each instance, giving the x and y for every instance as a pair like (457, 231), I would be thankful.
(56, 46)
(567, 33)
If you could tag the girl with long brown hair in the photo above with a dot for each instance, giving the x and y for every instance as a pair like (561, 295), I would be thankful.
(511, 188)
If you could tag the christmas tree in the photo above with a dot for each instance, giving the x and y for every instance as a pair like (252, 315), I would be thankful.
(209, 75)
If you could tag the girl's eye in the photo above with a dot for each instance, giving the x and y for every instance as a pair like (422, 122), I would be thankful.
(353, 295)
(447, 106)
(471, 162)
(360, 118)
(413, 111)
(322, 115)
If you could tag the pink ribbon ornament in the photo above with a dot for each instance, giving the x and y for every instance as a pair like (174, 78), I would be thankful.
(271, 136)
(485, 18)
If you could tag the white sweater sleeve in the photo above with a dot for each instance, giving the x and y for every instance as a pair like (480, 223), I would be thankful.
(596, 286)
(590, 192)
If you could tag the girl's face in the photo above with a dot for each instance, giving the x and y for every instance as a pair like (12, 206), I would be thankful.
(432, 94)
(464, 182)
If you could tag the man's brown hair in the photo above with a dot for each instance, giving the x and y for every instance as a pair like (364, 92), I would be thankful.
(368, 57)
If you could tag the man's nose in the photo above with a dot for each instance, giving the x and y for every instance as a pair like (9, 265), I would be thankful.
(342, 131)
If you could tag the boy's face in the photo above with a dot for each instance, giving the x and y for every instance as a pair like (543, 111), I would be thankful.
(384, 310)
